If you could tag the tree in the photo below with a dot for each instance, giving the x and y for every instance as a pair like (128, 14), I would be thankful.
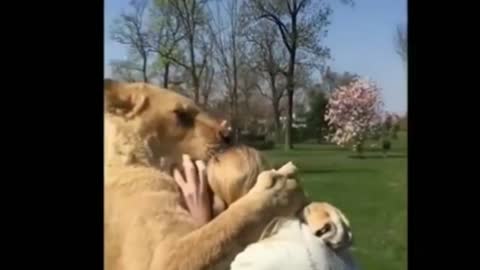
(401, 43)
(131, 69)
(267, 58)
(403, 122)
(248, 84)
(353, 113)
(225, 35)
(315, 119)
(207, 85)
(317, 96)
(388, 131)
(123, 70)
(191, 17)
(165, 36)
(332, 80)
(302, 26)
(130, 30)
(391, 125)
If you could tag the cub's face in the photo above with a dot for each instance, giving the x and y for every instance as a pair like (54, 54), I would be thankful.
(164, 122)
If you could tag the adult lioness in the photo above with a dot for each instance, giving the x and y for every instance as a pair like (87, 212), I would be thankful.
(145, 227)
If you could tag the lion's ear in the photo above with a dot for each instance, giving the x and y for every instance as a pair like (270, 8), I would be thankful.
(108, 84)
(185, 113)
(109, 87)
(123, 101)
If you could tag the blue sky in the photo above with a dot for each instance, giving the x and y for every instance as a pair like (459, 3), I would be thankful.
(360, 39)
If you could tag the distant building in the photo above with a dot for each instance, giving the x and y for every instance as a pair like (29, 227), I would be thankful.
(298, 122)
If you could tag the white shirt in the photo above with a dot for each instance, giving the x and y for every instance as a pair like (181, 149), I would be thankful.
(292, 247)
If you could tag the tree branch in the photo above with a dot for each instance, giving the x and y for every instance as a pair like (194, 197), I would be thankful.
(299, 7)
(259, 89)
(289, 7)
(169, 57)
(204, 62)
(281, 26)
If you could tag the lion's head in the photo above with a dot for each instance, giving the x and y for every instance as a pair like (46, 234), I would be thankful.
(146, 122)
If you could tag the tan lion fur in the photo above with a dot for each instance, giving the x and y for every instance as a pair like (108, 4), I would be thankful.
(145, 227)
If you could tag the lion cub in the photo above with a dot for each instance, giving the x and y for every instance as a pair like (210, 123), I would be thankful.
(234, 172)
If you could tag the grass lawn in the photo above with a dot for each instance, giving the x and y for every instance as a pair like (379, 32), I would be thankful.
(372, 192)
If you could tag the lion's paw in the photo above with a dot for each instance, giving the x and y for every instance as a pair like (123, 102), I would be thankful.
(278, 191)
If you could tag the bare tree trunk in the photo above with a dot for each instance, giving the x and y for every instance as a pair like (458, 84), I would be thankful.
(196, 87)
(165, 75)
(235, 92)
(277, 124)
(193, 71)
(235, 122)
(234, 117)
(290, 89)
(288, 130)
(205, 99)
(144, 69)
(291, 83)
(276, 97)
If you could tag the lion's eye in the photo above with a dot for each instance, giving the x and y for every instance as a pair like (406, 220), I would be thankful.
(323, 230)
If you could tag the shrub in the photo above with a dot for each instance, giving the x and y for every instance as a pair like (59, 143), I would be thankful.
(261, 145)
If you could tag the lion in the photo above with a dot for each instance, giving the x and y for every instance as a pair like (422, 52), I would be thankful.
(145, 225)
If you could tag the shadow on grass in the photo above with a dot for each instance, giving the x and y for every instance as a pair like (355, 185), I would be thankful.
(378, 156)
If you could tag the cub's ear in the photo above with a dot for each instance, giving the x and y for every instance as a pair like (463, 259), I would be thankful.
(122, 100)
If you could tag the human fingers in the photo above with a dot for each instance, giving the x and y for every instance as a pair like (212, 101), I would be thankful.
(190, 171)
(177, 176)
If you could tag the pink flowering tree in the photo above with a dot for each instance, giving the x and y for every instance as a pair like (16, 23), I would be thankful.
(354, 113)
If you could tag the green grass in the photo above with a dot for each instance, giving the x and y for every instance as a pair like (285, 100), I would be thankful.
(372, 192)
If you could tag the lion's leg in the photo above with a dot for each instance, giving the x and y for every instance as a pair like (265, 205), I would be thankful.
(208, 244)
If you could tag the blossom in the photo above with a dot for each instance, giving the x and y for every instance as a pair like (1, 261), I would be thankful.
(353, 112)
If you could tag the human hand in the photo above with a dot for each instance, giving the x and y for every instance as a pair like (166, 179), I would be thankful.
(195, 189)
